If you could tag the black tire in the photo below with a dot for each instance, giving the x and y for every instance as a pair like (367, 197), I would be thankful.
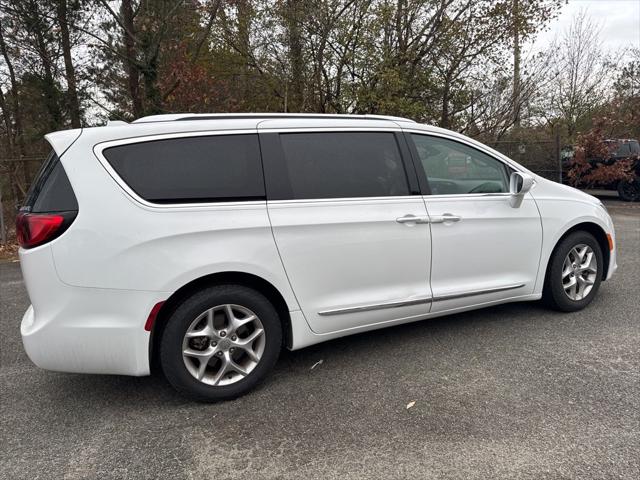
(171, 358)
(629, 191)
(553, 293)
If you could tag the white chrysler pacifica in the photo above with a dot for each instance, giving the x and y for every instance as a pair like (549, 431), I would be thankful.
(206, 243)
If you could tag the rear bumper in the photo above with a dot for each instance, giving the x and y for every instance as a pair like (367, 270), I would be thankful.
(82, 344)
(83, 330)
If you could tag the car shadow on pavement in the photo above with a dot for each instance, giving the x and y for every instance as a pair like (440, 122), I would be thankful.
(426, 338)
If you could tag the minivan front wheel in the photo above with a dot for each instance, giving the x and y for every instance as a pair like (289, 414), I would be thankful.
(574, 272)
(220, 342)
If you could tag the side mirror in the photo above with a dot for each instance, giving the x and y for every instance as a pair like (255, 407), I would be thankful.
(519, 184)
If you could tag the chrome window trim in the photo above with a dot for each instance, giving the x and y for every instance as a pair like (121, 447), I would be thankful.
(466, 195)
(344, 200)
(418, 301)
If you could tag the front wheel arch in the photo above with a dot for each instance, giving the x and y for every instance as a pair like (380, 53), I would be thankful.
(599, 234)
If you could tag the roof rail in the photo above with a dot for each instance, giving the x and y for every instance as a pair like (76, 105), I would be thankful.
(228, 116)
(113, 123)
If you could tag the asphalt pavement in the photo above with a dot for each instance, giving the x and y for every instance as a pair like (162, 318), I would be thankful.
(514, 391)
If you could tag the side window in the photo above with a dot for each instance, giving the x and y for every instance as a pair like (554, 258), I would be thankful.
(51, 190)
(343, 164)
(455, 168)
(216, 168)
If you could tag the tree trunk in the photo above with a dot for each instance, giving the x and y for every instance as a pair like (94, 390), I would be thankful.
(244, 23)
(49, 87)
(296, 60)
(152, 95)
(133, 73)
(19, 183)
(72, 93)
(516, 64)
(445, 121)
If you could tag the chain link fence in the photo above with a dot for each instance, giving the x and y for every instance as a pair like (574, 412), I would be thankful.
(541, 157)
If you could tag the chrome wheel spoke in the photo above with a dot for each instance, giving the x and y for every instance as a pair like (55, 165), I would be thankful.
(207, 331)
(237, 323)
(199, 354)
(203, 332)
(221, 371)
(243, 342)
(586, 261)
(580, 287)
(203, 357)
(572, 283)
(581, 252)
(250, 353)
(566, 270)
(237, 368)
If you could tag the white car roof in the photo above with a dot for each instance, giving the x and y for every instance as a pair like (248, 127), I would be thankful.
(189, 122)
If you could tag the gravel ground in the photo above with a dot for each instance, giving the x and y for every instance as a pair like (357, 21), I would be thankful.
(514, 391)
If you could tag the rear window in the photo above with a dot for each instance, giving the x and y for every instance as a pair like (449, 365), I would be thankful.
(343, 165)
(51, 190)
(195, 169)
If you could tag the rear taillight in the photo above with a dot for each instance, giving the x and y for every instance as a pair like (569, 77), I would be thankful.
(34, 229)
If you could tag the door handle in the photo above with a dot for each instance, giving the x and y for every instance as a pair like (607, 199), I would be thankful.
(412, 219)
(445, 218)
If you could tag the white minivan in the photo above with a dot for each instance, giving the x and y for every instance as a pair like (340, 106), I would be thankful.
(206, 243)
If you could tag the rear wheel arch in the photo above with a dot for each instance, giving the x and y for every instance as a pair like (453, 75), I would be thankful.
(221, 278)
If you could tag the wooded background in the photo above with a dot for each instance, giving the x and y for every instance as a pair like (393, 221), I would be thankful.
(465, 65)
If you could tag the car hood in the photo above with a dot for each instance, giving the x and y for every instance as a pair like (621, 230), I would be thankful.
(545, 188)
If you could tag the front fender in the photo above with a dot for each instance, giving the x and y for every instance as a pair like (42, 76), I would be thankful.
(561, 213)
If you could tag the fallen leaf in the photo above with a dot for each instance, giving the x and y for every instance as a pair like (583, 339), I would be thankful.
(411, 404)
(319, 362)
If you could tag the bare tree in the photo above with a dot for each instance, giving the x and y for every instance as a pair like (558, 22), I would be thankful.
(70, 72)
(580, 73)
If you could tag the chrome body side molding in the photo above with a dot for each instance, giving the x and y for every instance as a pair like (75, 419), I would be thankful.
(376, 306)
(417, 301)
(471, 293)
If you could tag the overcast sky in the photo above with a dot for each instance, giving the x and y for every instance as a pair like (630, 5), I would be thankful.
(619, 19)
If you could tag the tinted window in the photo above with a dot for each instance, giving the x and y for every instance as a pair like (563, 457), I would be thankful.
(455, 168)
(624, 150)
(51, 190)
(343, 164)
(193, 169)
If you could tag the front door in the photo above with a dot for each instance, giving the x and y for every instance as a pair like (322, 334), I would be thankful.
(483, 249)
(353, 237)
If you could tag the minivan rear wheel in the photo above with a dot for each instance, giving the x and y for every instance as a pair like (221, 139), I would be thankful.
(220, 342)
